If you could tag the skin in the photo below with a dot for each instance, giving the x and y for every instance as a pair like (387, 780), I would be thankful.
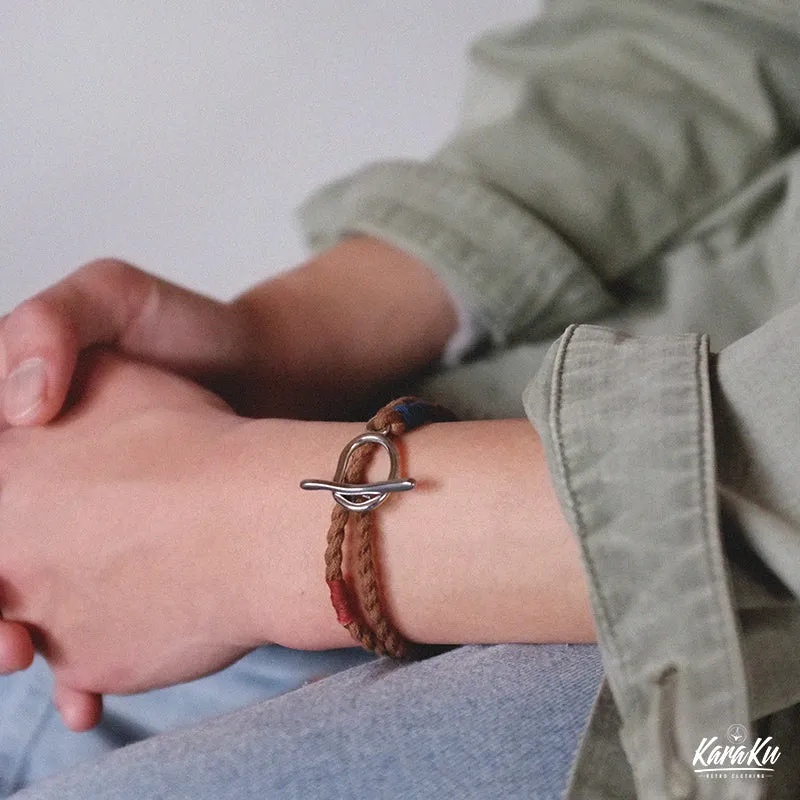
(208, 556)
(284, 348)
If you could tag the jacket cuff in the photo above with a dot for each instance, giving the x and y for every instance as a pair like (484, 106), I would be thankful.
(627, 429)
(510, 271)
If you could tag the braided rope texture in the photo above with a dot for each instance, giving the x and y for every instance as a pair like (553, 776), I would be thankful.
(375, 632)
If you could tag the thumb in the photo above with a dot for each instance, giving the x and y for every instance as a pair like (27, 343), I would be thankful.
(110, 303)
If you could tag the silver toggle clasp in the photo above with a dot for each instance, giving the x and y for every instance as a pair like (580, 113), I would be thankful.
(363, 496)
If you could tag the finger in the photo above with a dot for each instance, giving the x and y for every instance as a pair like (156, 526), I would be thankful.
(16, 647)
(3, 372)
(79, 710)
(111, 303)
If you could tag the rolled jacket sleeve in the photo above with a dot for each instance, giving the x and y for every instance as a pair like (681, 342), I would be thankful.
(680, 475)
(591, 138)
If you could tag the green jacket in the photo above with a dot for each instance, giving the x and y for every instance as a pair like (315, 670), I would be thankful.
(635, 164)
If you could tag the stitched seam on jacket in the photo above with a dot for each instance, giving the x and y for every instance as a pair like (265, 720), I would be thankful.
(709, 515)
(580, 525)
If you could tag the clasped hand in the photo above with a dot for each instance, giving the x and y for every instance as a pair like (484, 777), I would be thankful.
(109, 520)
(126, 549)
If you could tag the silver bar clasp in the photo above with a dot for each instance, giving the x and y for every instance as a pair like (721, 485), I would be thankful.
(363, 496)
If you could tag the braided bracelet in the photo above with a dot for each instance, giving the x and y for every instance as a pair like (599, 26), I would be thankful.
(353, 497)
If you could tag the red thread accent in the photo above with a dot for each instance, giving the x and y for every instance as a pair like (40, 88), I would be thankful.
(374, 631)
(340, 601)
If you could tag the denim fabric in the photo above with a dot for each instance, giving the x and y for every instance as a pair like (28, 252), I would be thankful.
(35, 744)
(477, 722)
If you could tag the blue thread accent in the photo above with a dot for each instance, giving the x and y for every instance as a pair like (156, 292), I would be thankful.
(414, 414)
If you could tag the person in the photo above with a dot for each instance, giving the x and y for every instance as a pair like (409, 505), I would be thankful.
(631, 163)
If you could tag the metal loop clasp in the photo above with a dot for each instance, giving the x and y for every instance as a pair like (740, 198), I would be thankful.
(363, 496)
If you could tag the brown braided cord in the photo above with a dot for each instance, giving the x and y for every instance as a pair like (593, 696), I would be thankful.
(335, 580)
(377, 633)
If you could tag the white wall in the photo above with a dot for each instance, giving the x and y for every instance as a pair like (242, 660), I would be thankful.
(181, 135)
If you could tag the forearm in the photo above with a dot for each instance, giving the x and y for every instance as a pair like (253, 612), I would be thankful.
(359, 316)
(478, 552)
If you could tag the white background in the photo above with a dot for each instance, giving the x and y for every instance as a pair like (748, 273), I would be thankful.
(182, 135)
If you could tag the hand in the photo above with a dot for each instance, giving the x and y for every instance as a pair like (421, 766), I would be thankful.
(298, 345)
(112, 303)
(150, 536)
(121, 552)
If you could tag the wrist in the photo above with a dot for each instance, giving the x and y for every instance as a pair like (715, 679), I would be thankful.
(478, 552)
(281, 583)
(345, 324)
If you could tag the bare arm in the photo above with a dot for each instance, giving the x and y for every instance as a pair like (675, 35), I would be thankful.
(360, 315)
(478, 552)
(345, 322)
(216, 550)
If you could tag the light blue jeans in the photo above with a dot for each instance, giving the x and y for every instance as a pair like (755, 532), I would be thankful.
(477, 722)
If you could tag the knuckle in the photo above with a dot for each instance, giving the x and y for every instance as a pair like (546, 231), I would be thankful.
(106, 270)
(116, 284)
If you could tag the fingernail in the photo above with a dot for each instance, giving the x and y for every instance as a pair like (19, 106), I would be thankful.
(24, 390)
